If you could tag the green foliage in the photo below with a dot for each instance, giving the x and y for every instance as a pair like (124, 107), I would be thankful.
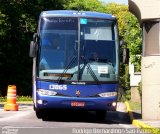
(124, 89)
(18, 98)
(3, 99)
(2, 23)
(120, 11)
(24, 98)
(133, 39)
(85, 5)
(140, 89)
(135, 105)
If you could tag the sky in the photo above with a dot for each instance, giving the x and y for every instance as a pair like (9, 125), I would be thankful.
(117, 1)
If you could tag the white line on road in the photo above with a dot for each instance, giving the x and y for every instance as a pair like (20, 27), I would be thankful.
(126, 126)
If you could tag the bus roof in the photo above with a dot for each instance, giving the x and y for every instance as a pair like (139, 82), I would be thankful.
(72, 13)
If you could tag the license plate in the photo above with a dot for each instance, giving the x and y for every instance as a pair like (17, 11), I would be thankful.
(77, 104)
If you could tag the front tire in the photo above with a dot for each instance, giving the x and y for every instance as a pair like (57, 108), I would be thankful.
(39, 113)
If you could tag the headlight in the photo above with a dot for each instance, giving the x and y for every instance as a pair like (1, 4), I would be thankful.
(108, 94)
(46, 92)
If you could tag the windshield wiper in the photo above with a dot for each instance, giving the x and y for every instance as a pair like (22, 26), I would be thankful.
(90, 69)
(67, 67)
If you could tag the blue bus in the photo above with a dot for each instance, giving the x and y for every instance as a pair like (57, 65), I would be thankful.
(75, 61)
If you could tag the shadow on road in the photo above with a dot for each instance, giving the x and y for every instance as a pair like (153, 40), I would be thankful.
(137, 115)
(85, 116)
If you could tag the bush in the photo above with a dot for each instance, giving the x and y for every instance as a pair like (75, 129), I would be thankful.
(19, 98)
(124, 85)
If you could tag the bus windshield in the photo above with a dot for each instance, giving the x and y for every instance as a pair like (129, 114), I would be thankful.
(78, 49)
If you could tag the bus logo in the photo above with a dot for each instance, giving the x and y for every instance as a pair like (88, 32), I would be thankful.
(78, 93)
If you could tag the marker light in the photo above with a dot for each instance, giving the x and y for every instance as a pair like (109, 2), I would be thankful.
(46, 92)
(108, 94)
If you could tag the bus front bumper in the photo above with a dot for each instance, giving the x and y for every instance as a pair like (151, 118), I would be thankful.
(93, 103)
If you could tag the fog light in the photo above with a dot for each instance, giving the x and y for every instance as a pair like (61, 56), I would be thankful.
(114, 104)
(40, 101)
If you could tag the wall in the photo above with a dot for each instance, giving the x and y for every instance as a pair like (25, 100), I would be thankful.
(135, 78)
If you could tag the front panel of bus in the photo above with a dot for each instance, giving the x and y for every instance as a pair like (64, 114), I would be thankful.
(77, 63)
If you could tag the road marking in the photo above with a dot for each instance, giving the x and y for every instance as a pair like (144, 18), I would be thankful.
(127, 126)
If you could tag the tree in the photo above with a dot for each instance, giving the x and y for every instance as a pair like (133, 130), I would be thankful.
(85, 5)
(133, 39)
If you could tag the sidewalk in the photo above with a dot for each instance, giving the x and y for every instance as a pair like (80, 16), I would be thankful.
(136, 118)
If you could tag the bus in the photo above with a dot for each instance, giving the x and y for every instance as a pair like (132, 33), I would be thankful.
(75, 62)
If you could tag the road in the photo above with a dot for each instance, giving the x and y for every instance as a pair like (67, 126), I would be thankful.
(63, 122)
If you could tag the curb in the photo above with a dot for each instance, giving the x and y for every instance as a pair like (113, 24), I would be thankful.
(140, 124)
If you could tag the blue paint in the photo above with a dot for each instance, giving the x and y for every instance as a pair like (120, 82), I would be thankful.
(89, 95)
(72, 13)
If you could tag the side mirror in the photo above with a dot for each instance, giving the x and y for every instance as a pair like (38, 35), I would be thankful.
(35, 37)
(125, 55)
(32, 52)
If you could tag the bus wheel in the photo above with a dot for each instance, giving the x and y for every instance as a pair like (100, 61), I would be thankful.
(39, 113)
(101, 114)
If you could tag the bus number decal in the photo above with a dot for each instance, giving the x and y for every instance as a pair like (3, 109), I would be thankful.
(58, 87)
